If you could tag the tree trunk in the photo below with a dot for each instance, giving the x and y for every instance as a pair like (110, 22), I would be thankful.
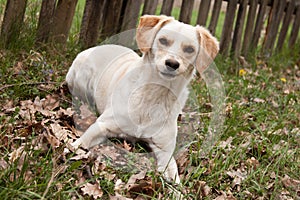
(12, 21)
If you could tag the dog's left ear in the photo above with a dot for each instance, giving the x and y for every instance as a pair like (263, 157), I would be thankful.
(208, 48)
(147, 29)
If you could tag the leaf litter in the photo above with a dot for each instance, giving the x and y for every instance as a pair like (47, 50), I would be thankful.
(45, 124)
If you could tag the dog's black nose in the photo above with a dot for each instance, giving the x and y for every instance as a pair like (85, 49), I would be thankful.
(172, 65)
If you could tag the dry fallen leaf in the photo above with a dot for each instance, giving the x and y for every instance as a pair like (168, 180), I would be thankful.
(182, 160)
(203, 188)
(134, 178)
(85, 118)
(259, 100)
(238, 176)
(92, 190)
(118, 197)
(17, 153)
(290, 183)
(253, 162)
(3, 164)
(225, 196)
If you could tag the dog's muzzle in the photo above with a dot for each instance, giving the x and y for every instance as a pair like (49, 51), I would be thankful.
(171, 67)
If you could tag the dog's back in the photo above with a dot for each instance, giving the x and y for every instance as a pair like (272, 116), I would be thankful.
(92, 70)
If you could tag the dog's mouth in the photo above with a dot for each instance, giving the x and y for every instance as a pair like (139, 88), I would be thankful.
(168, 75)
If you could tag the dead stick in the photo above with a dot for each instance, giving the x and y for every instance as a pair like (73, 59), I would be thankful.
(21, 84)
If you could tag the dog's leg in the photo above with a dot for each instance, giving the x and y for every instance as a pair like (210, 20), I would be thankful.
(166, 163)
(95, 134)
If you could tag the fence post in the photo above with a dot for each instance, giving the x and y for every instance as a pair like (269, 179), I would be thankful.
(215, 16)
(12, 21)
(45, 20)
(285, 25)
(238, 31)
(186, 11)
(167, 7)
(90, 25)
(227, 27)
(295, 29)
(203, 12)
(132, 11)
(273, 24)
(249, 26)
(62, 20)
(111, 18)
(150, 7)
(259, 24)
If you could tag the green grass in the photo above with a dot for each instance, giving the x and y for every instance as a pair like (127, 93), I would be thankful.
(261, 129)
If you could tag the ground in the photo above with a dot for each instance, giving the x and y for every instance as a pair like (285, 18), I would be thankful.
(256, 156)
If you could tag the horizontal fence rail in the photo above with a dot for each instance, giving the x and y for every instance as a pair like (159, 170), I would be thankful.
(241, 25)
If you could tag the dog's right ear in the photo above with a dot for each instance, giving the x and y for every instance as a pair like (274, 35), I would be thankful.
(148, 26)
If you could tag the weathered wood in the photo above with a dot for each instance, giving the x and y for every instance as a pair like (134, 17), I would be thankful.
(249, 26)
(62, 20)
(203, 12)
(167, 7)
(90, 25)
(295, 29)
(215, 16)
(285, 25)
(279, 17)
(227, 27)
(259, 24)
(111, 20)
(45, 20)
(273, 24)
(186, 11)
(239, 26)
(131, 14)
(150, 7)
(12, 21)
(85, 21)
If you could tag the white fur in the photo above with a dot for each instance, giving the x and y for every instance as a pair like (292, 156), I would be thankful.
(138, 96)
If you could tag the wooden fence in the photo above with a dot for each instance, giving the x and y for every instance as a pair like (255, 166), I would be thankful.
(247, 23)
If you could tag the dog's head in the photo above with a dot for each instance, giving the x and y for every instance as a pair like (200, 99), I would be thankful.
(176, 47)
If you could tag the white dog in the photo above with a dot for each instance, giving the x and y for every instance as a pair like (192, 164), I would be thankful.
(141, 97)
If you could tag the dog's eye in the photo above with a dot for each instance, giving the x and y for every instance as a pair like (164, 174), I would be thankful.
(164, 41)
(188, 49)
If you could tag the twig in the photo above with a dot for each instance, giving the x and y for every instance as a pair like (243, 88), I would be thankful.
(21, 84)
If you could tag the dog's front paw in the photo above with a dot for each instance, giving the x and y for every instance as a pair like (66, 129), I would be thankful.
(78, 143)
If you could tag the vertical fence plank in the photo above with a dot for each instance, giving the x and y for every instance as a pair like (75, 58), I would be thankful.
(150, 7)
(227, 27)
(45, 20)
(12, 21)
(273, 24)
(259, 24)
(167, 7)
(186, 11)
(111, 20)
(238, 31)
(215, 16)
(203, 12)
(249, 26)
(90, 25)
(62, 20)
(131, 14)
(295, 29)
(285, 25)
